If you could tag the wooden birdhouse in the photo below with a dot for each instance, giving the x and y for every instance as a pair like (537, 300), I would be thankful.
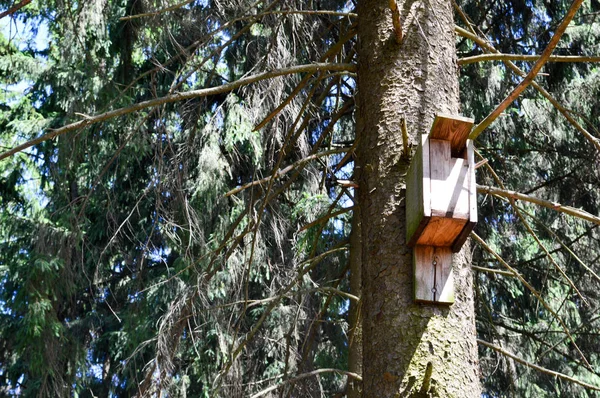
(441, 205)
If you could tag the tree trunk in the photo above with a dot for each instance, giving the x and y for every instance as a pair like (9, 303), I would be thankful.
(409, 349)
(355, 356)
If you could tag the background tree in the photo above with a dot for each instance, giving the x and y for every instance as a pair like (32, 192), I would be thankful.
(161, 236)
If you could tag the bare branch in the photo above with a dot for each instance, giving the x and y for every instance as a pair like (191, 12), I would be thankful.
(285, 170)
(537, 367)
(326, 217)
(286, 12)
(564, 111)
(14, 8)
(309, 68)
(537, 295)
(519, 57)
(532, 73)
(545, 203)
(304, 376)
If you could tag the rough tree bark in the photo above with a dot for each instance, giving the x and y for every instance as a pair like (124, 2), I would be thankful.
(355, 357)
(410, 350)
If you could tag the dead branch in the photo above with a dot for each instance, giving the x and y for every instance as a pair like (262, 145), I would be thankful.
(304, 376)
(519, 57)
(14, 8)
(537, 295)
(532, 73)
(545, 203)
(537, 367)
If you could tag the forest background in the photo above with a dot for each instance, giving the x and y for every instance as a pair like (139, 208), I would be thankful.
(178, 186)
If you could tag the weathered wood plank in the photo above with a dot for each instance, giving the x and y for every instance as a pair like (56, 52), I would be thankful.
(455, 129)
(418, 197)
(433, 283)
(449, 182)
(461, 239)
(441, 231)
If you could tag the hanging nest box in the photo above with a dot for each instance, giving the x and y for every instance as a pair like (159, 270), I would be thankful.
(441, 205)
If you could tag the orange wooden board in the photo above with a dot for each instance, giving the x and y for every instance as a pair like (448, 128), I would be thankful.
(441, 231)
(455, 129)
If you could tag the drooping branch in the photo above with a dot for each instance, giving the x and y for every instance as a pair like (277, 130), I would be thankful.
(304, 376)
(532, 73)
(89, 120)
(545, 203)
(285, 170)
(537, 295)
(303, 268)
(519, 57)
(14, 8)
(537, 367)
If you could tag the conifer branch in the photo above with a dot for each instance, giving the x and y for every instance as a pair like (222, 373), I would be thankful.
(517, 210)
(532, 73)
(304, 376)
(520, 57)
(303, 268)
(335, 49)
(537, 367)
(326, 217)
(308, 68)
(157, 12)
(537, 295)
(282, 12)
(285, 170)
(561, 243)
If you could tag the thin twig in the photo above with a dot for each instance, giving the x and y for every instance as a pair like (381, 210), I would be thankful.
(326, 217)
(534, 292)
(285, 170)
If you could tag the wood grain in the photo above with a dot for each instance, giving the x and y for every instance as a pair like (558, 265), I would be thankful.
(418, 196)
(433, 284)
(441, 231)
(455, 129)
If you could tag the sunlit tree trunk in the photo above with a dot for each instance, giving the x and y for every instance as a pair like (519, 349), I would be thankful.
(409, 349)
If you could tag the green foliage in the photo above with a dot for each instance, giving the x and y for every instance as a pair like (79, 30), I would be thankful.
(125, 269)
